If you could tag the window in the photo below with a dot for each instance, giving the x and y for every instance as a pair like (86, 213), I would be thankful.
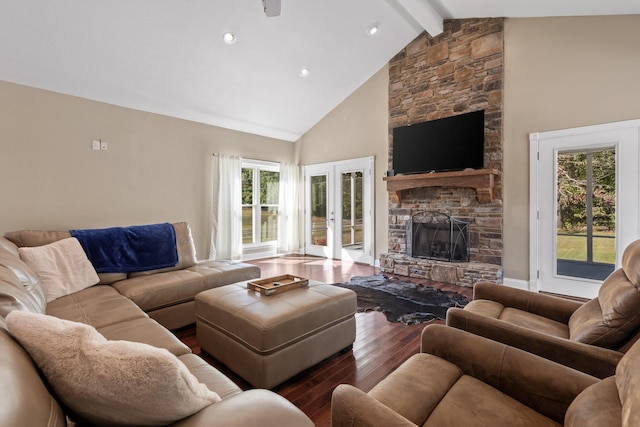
(260, 193)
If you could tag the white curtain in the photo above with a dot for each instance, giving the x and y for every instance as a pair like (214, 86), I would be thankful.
(289, 205)
(226, 226)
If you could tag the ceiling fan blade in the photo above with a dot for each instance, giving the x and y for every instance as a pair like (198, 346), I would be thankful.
(271, 7)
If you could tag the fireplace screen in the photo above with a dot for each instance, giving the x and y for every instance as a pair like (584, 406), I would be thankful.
(435, 235)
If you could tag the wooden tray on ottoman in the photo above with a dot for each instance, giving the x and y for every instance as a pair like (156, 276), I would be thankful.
(277, 284)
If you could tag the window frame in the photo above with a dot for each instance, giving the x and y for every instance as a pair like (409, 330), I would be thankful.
(257, 246)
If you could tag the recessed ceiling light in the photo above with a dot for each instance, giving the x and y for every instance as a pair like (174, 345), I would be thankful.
(304, 72)
(373, 28)
(229, 37)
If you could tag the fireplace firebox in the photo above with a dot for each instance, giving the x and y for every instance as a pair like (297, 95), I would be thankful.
(436, 235)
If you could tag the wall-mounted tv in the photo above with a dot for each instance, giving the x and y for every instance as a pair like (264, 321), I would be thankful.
(448, 144)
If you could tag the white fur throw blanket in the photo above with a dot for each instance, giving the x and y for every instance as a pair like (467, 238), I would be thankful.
(109, 382)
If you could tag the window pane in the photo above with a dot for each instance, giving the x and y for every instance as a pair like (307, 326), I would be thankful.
(247, 186)
(247, 224)
(269, 187)
(269, 223)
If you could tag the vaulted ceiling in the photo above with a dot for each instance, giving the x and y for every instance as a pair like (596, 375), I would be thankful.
(169, 57)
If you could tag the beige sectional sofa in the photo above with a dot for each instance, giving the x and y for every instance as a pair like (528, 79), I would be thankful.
(129, 308)
(166, 295)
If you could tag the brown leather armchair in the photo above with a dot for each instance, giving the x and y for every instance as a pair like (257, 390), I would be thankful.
(591, 337)
(464, 380)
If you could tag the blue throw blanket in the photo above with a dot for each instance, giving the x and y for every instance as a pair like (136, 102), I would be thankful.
(129, 249)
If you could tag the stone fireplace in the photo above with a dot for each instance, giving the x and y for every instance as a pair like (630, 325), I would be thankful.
(458, 71)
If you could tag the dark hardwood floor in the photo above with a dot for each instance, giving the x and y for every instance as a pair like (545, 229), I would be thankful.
(380, 346)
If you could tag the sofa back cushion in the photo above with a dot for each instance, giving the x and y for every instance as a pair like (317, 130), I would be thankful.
(628, 384)
(184, 243)
(186, 251)
(598, 405)
(607, 321)
(25, 398)
(31, 238)
(20, 287)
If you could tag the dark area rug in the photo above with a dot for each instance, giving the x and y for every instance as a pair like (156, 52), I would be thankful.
(402, 301)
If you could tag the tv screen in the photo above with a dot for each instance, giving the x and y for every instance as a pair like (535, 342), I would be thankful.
(448, 144)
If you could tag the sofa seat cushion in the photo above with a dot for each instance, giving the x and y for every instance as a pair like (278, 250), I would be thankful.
(423, 375)
(154, 292)
(444, 390)
(208, 375)
(146, 331)
(257, 407)
(480, 405)
(98, 306)
(518, 317)
(598, 405)
(109, 382)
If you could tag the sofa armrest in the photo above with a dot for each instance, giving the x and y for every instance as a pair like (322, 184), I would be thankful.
(551, 307)
(256, 407)
(543, 385)
(597, 361)
(355, 408)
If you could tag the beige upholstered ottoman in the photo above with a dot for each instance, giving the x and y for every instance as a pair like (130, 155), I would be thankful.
(268, 339)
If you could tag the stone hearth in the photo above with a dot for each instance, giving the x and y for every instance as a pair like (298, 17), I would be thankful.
(462, 273)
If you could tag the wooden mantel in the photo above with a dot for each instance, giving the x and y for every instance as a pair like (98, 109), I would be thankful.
(480, 179)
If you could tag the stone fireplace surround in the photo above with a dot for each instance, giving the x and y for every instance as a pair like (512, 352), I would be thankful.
(460, 70)
(460, 203)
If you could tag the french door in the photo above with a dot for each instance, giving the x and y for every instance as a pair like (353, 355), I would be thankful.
(584, 191)
(339, 210)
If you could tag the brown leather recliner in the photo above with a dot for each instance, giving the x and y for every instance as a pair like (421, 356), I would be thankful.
(464, 380)
(591, 337)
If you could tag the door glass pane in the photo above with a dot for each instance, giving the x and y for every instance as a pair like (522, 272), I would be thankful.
(586, 214)
(319, 210)
(352, 230)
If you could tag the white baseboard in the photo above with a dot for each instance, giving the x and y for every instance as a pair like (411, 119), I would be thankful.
(516, 283)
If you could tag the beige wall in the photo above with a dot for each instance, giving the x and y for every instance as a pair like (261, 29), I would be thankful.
(358, 127)
(560, 73)
(156, 168)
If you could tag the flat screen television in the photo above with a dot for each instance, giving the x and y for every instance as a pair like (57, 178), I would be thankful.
(448, 144)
